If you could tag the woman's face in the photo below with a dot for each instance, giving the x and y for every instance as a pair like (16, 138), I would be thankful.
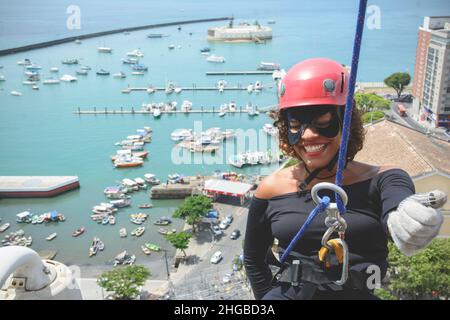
(314, 149)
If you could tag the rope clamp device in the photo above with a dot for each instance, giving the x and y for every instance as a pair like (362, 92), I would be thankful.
(335, 223)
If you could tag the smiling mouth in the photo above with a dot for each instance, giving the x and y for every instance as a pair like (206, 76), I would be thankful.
(315, 149)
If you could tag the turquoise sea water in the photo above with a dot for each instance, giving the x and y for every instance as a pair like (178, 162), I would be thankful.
(40, 135)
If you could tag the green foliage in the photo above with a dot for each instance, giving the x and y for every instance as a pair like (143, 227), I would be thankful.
(384, 294)
(398, 81)
(422, 276)
(193, 209)
(179, 240)
(371, 102)
(124, 281)
(372, 116)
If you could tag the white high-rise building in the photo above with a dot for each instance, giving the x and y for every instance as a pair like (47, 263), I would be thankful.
(431, 87)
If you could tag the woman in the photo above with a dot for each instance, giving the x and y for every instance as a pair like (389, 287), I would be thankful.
(309, 119)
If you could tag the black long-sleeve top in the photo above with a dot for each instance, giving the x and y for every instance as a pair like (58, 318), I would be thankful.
(369, 204)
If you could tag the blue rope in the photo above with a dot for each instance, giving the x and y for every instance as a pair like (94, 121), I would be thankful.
(349, 101)
(345, 133)
(318, 209)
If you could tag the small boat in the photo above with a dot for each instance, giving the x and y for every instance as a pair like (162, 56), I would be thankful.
(54, 69)
(35, 87)
(128, 162)
(126, 90)
(138, 73)
(78, 232)
(68, 78)
(186, 106)
(24, 62)
(214, 58)
(135, 53)
(222, 113)
(139, 67)
(82, 72)
(33, 67)
(104, 49)
(163, 221)
(171, 47)
(154, 35)
(4, 227)
(86, 68)
(123, 232)
(205, 49)
(119, 75)
(153, 246)
(93, 249)
(51, 81)
(51, 237)
(121, 203)
(103, 72)
(157, 113)
(145, 206)
(145, 250)
(269, 66)
(16, 93)
(105, 220)
(2, 78)
(78, 41)
(177, 90)
(28, 82)
(112, 220)
(151, 89)
(138, 232)
(165, 231)
(70, 61)
(101, 245)
(130, 60)
(151, 178)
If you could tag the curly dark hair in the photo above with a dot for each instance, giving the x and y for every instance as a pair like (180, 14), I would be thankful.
(355, 143)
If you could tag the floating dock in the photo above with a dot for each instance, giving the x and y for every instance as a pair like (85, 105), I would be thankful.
(193, 88)
(193, 186)
(36, 186)
(238, 73)
(132, 110)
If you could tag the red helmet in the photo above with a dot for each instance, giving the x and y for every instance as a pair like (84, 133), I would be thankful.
(315, 81)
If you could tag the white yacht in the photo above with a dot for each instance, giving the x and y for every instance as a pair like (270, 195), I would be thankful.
(16, 93)
(186, 106)
(51, 81)
(269, 66)
(119, 75)
(68, 78)
(54, 69)
(135, 53)
(156, 112)
(214, 58)
(104, 49)
(180, 134)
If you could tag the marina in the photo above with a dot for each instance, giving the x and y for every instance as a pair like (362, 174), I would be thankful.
(132, 110)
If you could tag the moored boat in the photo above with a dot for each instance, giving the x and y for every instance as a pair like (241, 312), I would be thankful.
(145, 206)
(123, 232)
(138, 232)
(153, 246)
(78, 232)
(51, 236)
(145, 250)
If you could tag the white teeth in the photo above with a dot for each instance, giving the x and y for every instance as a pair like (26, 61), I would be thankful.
(314, 148)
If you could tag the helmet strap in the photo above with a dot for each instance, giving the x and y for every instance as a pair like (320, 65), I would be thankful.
(311, 175)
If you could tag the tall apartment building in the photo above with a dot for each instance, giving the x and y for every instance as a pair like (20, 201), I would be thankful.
(431, 86)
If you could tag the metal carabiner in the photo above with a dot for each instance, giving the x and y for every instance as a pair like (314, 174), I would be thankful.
(335, 223)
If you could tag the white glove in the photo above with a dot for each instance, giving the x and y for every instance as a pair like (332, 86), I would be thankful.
(415, 223)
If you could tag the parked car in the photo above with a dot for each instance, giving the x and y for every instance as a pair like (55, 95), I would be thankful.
(212, 214)
(217, 231)
(216, 257)
(405, 98)
(229, 218)
(223, 224)
(235, 234)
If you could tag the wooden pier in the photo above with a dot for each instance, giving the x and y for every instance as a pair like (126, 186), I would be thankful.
(193, 88)
(237, 73)
(132, 110)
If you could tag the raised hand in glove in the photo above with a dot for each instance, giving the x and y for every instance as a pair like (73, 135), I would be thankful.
(416, 221)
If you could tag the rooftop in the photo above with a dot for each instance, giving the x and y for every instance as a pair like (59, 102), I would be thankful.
(388, 143)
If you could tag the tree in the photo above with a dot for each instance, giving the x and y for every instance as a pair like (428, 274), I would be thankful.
(398, 81)
(179, 240)
(193, 209)
(423, 276)
(371, 101)
(124, 281)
